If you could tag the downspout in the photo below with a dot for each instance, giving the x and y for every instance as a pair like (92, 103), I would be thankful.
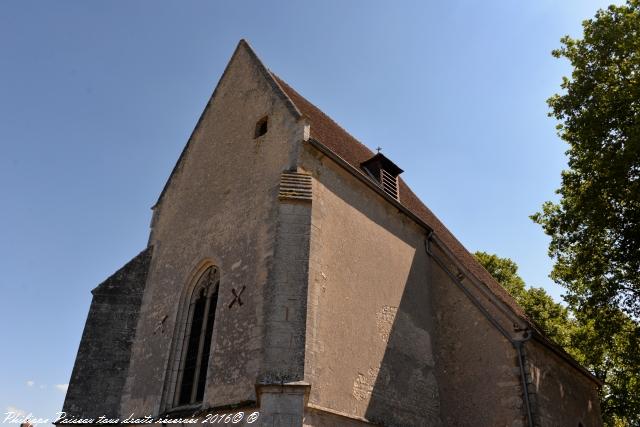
(517, 343)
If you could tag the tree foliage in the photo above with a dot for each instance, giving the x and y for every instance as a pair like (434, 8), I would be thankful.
(595, 227)
(549, 316)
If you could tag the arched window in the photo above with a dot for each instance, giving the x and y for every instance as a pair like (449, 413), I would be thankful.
(196, 347)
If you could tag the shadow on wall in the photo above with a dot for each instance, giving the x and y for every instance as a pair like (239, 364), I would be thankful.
(398, 386)
(403, 390)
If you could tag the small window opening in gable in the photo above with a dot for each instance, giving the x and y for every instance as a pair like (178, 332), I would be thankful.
(198, 334)
(262, 127)
(384, 172)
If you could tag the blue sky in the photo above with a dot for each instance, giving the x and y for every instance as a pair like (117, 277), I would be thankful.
(97, 100)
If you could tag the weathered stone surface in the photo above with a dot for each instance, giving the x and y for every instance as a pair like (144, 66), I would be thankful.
(102, 363)
(562, 395)
(369, 320)
(221, 206)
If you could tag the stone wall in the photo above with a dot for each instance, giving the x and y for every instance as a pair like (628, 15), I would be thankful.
(318, 418)
(221, 205)
(369, 321)
(562, 395)
(286, 301)
(391, 339)
(102, 361)
(477, 368)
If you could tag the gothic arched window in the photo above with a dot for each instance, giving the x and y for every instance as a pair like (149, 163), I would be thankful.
(196, 348)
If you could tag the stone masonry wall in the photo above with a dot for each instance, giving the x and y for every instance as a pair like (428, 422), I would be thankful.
(102, 361)
(476, 367)
(221, 206)
(287, 300)
(561, 394)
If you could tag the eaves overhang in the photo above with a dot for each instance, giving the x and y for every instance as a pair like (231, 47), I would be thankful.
(367, 180)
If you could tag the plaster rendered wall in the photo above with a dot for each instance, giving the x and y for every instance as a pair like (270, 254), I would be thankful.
(369, 345)
(390, 337)
(221, 205)
(476, 367)
(562, 395)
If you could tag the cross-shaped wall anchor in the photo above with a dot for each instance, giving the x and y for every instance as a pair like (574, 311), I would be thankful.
(236, 296)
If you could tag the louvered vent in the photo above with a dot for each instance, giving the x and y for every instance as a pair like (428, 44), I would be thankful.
(385, 172)
(294, 185)
(389, 183)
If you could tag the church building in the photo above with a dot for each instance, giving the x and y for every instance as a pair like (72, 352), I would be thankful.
(291, 273)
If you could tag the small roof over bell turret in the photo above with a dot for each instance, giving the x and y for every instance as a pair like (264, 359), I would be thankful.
(380, 161)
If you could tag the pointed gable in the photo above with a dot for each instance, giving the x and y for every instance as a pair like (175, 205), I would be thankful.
(242, 47)
(339, 141)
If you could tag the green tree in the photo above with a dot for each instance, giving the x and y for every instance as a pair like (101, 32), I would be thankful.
(505, 271)
(595, 226)
(549, 316)
(609, 349)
